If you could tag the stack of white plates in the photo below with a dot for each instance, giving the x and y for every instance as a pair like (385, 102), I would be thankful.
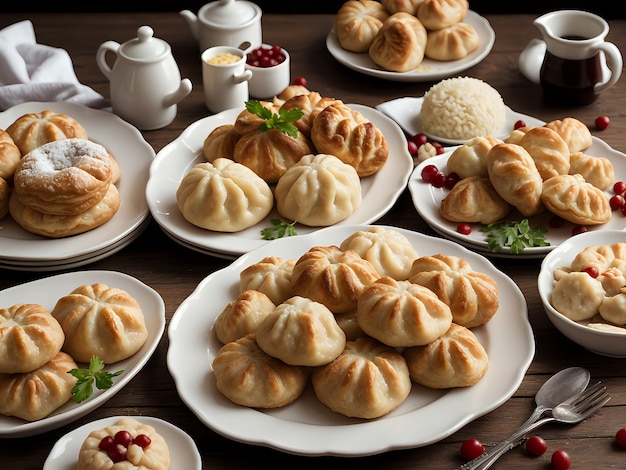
(24, 251)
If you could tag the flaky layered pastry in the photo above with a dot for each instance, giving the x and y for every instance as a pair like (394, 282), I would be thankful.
(357, 22)
(474, 199)
(575, 133)
(549, 151)
(9, 155)
(220, 143)
(242, 315)
(598, 171)
(399, 45)
(271, 276)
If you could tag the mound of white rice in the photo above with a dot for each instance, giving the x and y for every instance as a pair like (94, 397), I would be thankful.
(461, 108)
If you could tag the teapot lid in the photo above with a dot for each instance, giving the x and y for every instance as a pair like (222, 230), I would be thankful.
(227, 13)
(145, 46)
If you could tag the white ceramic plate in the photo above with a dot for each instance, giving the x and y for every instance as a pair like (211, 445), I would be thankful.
(175, 160)
(134, 156)
(427, 200)
(183, 451)
(306, 426)
(429, 69)
(46, 292)
(406, 112)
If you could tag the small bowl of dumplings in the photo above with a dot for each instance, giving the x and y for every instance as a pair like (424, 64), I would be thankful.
(582, 285)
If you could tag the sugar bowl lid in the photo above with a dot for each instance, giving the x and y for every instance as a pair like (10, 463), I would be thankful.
(229, 13)
(145, 46)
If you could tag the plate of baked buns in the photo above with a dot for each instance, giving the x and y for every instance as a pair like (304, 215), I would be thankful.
(187, 190)
(35, 383)
(275, 317)
(429, 54)
(50, 223)
(568, 172)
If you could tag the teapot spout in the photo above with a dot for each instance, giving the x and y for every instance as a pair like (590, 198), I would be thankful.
(176, 96)
(192, 21)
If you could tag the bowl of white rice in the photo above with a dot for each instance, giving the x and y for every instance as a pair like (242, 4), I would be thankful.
(460, 108)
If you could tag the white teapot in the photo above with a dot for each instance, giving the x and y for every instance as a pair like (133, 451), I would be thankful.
(145, 81)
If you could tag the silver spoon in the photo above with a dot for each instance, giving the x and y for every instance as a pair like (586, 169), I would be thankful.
(558, 388)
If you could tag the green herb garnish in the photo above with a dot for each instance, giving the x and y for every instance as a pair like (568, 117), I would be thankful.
(83, 387)
(279, 229)
(515, 235)
(281, 121)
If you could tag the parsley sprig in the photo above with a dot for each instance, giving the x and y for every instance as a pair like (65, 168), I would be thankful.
(515, 235)
(83, 388)
(281, 121)
(279, 229)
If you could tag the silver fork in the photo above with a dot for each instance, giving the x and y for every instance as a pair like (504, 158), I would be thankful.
(572, 411)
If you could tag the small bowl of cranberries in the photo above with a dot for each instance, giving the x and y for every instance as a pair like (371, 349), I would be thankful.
(596, 306)
(270, 66)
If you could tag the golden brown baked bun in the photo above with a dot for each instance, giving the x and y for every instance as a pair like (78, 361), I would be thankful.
(102, 321)
(399, 45)
(347, 134)
(470, 158)
(35, 129)
(34, 395)
(548, 150)
(9, 156)
(575, 200)
(242, 315)
(5, 195)
(598, 171)
(408, 6)
(368, 380)
(333, 277)
(271, 276)
(471, 295)
(248, 376)
(439, 14)
(155, 456)
(474, 199)
(220, 143)
(455, 359)
(451, 43)
(307, 104)
(357, 22)
(575, 133)
(249, 122)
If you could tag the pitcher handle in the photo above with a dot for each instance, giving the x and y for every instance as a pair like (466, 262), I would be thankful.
(614, 62)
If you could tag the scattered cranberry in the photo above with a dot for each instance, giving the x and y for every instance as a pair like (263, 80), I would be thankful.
(620, 437)
(536, 446)
(623, 209)
(429, 172)
(300, 81)
(471, 448)
(451, 180)
(619, 188)
(592, 271)
(439, 181)
(264, 56)
(412, 147)
(142, 441)
(602, 122)
(579, 229)
(419, 139)
(560, 460)
(519, 124)
(464, 229)
(439, 149)
(617, 201)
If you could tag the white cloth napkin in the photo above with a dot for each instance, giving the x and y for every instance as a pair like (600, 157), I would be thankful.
(36, 72)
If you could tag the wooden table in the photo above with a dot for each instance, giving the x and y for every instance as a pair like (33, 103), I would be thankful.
(174, 271)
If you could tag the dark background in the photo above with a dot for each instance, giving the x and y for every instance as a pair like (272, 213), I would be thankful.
(606, 8)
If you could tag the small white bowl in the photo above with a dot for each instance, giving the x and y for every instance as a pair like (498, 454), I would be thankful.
(605, 343)
(267, 82)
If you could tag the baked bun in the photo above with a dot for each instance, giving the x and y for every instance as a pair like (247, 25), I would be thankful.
(357, 22)
(368, 380)
(548, 150)
(389, 251)
(345, 133)
(574, 133)
(451, 43)
(249, 122)
(242, 315)
(319, 190)
(577, 295)
(601, 257)
(220, 143)
(349, 323)
(575, 200)
(308, 104)
(248, 376)
(9, 155)
(455, 359)
(301, 332)
(102, 321)
(516, 135)
(5, 195)
(34, 395)
(288, 93)
(271, 276)
(402, 313)
(333, 277)
(471, 295)
(474, 199)
(470, 158)
(514, 175)
(224, 196)
(36, 129)
(29, 337)
(155, 456)
(58, 226)
(439, 14)
(408, 6)
(598, 171)
(400, 43)
(64, 177)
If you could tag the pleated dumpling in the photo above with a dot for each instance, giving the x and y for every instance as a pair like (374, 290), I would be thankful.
(438, 14)
(242, 316)
(402, 313)
(471, 295)
(613, 309)
(388, 250)
(575, 133)
(357, 22)
(399, 45)
(271, 276)
(601, 257)
(223, 196)
(470, 158)
(319, 190)
(598, 171)
(549, 151)
(220, 143)
(451, 43)
(577, 295)
(368, 380)
(455, 359)
(575, 200)
(474, 199)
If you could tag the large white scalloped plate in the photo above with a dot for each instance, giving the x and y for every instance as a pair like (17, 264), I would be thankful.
(183, 451)
(307, 427)
(429, 69)
(46, 292)
(134, 156)
(379, 191)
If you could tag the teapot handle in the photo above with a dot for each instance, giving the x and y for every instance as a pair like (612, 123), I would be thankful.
(105, 47)
(614, 62)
